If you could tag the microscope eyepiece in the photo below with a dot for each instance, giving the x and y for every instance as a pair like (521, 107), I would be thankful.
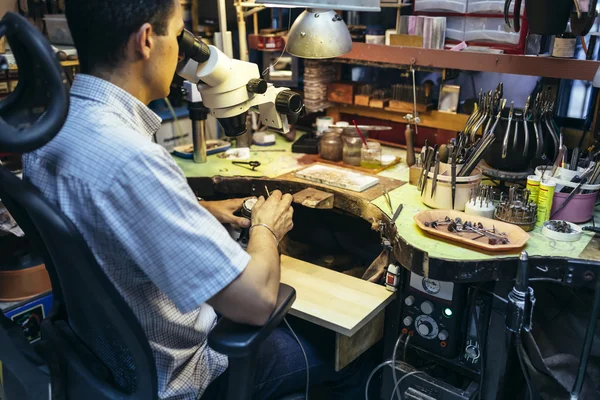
(192, 47)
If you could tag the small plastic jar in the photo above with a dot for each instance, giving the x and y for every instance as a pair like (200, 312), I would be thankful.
(370, 156)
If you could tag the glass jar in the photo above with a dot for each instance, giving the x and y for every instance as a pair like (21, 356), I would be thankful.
(371, 155)
(331, 146)
(352, 146)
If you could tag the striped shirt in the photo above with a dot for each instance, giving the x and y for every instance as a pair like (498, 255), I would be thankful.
(164, 252)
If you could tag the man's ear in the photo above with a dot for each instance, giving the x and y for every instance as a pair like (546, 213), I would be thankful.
(143, 41)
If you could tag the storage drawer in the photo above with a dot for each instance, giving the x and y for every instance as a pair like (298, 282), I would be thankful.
(491, 7)
(455, 6)
(341, 93)
(455, 28)
(489, 30)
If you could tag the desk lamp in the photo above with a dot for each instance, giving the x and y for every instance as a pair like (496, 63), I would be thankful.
(319, 32)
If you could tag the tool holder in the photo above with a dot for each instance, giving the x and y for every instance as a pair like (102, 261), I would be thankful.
(442, 197)
(521, 301)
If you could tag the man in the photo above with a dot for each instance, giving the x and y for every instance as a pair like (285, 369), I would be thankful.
(168, 255)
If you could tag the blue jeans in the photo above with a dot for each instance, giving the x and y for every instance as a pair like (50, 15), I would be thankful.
(281, 368)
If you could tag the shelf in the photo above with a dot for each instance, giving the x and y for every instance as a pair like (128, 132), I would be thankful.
(389, 56)
(431, 119)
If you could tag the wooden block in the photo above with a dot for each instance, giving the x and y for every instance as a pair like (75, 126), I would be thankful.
(406, 106)
(313, 198)
(362, 100)
(348, 349)
(406, 40)
(341, 93)
(377, 103)
(333, 300)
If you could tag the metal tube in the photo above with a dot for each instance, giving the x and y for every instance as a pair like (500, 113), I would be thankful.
(199, 141)
(226, 44)
(243, 37)
(587, 345)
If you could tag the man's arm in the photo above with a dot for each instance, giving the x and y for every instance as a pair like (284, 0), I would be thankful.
(251, 298)
(183, 249)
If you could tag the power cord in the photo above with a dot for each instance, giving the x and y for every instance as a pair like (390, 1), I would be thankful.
(480, 341)
(305, 357)
(394, 366)
(394, 358)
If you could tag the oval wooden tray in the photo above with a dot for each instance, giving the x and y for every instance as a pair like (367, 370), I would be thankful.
(517, 236)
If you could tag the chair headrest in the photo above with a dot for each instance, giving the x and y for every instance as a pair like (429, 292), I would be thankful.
(36, 111)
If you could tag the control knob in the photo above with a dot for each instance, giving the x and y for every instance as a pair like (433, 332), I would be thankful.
(427, 307)
(472, 352)
(409, 301)
(408, 321)
(443, 335)
(426, 327)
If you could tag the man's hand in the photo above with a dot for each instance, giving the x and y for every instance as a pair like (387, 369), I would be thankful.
(223, 211)
(275, 212)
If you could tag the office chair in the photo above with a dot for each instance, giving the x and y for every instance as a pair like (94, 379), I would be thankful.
(92, 345)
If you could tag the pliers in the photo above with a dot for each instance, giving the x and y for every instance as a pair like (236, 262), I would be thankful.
(516, 14)
(453, 182)
(436, 171)
(507, 133)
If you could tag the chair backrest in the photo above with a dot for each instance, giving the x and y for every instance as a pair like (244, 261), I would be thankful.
(91, 328)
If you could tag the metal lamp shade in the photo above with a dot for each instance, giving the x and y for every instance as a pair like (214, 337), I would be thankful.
(342, 5)
(319, 34)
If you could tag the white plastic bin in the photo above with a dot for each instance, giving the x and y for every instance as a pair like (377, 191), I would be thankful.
(455, 28)
(489, 30)
(457, 6)
(491, 7)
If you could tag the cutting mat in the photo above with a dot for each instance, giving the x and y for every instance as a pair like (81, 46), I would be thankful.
(369, 195)
(338, 177)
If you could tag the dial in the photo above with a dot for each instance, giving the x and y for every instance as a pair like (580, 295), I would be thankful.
(443, 335)
(427, 307)
(408, 321)
(409, 301)
(431, 286)
(426, 327)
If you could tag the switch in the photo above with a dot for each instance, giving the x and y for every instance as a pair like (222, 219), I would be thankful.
(443, 335)
(427, 307)
(409, 301)
(408, 321)
(424, 330)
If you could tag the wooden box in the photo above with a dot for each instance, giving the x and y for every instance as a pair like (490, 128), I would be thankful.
(341, 92)
(362, 100)
(378, 103)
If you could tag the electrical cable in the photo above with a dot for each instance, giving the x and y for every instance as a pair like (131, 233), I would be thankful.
(480, 341)
(305, 357)
(284, 47)
(400, 381)
(393, 365)
(394, 356)
(405, 348)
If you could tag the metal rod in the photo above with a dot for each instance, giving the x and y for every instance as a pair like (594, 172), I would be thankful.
(199, 141)
(587, 345)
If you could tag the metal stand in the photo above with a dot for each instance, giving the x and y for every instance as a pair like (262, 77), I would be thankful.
(198, 115)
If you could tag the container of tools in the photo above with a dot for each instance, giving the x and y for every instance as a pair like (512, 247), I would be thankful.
(574, 200)
(441, 186)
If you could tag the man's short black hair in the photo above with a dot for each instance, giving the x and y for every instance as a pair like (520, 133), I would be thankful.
(101, 28)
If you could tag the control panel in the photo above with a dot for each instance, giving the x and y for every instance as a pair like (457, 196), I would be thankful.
(432, 314)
